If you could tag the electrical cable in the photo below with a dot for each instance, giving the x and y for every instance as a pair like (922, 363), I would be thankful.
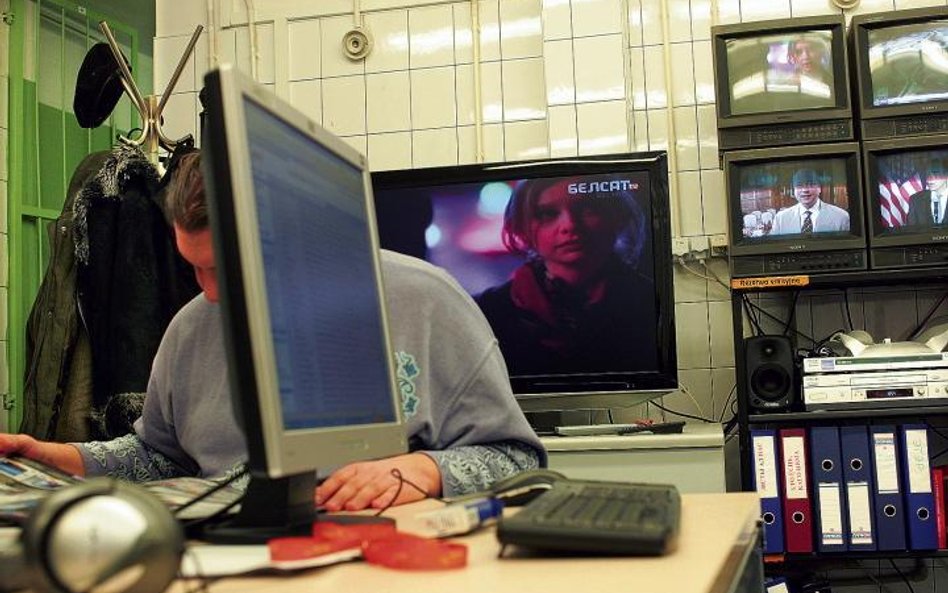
(212, 490)
(682, 414)
(777, 319)
(793, 311)
(849, 313)
(904, 578)
(727, 400)
(755, 323)
(927, 317)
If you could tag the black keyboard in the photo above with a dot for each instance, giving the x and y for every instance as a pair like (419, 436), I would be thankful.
(599, 517)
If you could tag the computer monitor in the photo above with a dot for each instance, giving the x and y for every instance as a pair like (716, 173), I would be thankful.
(906, 187)
(608, 340)
(781, 82)
(310, 365)
(901, 63)
(795, 210)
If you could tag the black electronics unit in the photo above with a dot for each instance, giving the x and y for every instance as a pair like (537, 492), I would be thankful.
(901, 83)
(782, 82)
(795, 210)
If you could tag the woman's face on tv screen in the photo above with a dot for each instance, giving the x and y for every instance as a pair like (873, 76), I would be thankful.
(573, 229)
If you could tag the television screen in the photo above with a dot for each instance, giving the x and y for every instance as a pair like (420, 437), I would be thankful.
(782, 82)
(781, 72)
(787, 199)
(909, 63)
(910, 191)
(565, 261)
(795, 210)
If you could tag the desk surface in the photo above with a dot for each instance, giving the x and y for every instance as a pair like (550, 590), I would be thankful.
(717, 532)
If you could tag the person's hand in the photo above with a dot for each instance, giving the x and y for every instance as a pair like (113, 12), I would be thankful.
(367, 484)
(59, 455)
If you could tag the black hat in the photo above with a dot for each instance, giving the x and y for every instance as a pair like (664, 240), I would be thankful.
(805, 177)
(98, 86)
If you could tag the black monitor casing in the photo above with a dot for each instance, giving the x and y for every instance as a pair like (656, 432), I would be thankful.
(892, 121)
(801, 126)
(914, 249)
(564, 391)
(795, 255)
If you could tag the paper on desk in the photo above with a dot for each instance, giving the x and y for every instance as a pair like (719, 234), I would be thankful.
(218, 561)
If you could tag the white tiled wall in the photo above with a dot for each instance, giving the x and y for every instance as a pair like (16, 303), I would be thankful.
(4, 110)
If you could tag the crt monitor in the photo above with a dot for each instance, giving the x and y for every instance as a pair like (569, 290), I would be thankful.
(901, 66)
(795, 210)
(301, 298)
(907, 191)
(569, 259)
(781, 82)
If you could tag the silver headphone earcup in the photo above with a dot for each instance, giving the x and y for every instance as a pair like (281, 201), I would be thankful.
(103, 535)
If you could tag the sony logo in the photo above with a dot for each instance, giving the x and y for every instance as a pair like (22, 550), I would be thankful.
(797, 247)
(600, 186)
(940, 238)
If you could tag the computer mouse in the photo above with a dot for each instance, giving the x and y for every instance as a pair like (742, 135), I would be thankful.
(521, 488)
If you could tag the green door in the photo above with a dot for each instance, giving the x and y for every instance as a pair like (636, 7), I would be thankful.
(48, 41)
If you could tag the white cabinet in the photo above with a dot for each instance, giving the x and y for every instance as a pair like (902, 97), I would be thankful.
(693, 460)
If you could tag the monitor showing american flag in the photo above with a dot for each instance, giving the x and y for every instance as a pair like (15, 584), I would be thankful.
(909, 190)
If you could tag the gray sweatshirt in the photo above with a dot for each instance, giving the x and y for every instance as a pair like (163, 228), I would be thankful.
(455, 395)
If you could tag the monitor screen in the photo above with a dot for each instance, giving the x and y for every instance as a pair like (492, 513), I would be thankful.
(564, 260)
(781, 72)
(301, 298)
(909, 63)
(908, 191)
(790, 199)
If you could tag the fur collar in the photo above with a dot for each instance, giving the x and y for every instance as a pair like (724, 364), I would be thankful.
(125, 167)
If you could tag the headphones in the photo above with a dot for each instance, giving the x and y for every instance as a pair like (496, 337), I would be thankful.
(104, 535)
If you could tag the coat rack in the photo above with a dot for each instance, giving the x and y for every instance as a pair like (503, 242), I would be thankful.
(152, 138)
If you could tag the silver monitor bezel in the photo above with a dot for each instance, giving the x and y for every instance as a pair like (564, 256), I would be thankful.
(288, 452)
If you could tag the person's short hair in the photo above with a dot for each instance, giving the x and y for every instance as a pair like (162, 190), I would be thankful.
(185, 201)
(805, 177)
(815, 41)
(937, 168)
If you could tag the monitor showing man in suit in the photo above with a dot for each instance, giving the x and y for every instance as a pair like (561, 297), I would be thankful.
(810, 214)
(927, 207)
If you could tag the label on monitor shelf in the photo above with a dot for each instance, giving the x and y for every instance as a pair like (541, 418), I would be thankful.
(770, 282)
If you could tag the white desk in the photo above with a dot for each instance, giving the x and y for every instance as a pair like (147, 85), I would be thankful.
(693, 460)
(718, 552)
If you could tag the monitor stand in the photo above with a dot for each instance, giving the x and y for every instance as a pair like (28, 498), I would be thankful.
(276, 507)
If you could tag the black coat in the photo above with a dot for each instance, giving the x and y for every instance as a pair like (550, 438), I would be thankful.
(129, 281)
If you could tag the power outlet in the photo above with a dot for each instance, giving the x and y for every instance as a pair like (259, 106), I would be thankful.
(718, 245)
(680, 246)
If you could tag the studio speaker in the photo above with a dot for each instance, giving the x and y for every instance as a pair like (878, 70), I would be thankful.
(771, 383)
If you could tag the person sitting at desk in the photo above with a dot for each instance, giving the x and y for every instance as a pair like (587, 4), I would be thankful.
(465, 429)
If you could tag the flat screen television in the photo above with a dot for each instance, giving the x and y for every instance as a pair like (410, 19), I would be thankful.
(795, 210)
(906, 193)
(781, 82)
(569, 259)
(901, 64)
